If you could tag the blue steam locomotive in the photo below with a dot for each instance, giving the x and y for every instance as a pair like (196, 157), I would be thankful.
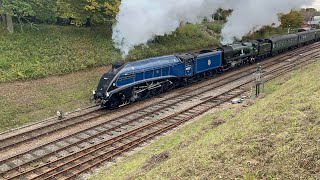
(136, 81)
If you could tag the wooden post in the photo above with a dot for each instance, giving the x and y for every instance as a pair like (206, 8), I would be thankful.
(9, 23)
(7, 20)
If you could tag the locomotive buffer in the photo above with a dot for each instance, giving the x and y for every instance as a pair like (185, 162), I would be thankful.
(259, 81)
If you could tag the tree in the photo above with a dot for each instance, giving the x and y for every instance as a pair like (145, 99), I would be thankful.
(48, 11)
(311, 10)
(3, 18)
(294, 20)
(72, 9)
(221, 15)
(97, 11)
(316, 13)
(44, 10)
(14, 8)
(112, 8)
(27, 11)
(105, 10)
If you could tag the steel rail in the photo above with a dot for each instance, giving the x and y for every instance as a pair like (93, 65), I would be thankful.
(113, 128)
(290, 65)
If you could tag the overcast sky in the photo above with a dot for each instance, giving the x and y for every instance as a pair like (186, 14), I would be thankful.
(316, 5)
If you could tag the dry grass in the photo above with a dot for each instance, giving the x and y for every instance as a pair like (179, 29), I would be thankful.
(25, 102)
(276, 138)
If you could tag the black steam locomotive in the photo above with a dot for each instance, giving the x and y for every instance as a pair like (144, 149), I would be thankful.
(136, 81)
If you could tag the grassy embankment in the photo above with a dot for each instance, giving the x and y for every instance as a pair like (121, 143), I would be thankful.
(27, 102)
(56, 50)
(276, 138)
(59, 50)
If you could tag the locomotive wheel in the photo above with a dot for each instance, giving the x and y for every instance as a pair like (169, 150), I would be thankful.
(156, 91)
(144, 95)
(200, 77)
(214, 73)
(184, 82)
(189, 81)
(208, 75)
(168, 86)
(194, 79)
(221, 70)
(114, 104)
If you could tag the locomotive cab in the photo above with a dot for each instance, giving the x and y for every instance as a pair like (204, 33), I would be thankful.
(189, 61)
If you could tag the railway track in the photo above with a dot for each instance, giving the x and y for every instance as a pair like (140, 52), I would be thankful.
(51, 128)
(60, 125)
(120, 131)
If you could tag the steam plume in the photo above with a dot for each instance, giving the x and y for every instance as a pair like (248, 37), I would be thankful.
(139, 21)
(254, 14)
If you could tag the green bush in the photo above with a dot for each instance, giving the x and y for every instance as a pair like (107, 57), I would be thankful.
(216, 27)
(266, 32)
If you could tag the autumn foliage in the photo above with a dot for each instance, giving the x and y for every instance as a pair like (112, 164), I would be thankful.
(294, 19)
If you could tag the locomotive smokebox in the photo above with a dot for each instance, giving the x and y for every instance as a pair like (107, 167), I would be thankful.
(117, 65)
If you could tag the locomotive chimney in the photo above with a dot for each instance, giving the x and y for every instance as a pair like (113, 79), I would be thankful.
(117, 65)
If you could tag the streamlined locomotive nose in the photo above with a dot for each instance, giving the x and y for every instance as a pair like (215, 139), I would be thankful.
(98, 95)
(102, 92)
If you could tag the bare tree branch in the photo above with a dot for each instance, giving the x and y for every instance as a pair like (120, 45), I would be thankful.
(31, 24)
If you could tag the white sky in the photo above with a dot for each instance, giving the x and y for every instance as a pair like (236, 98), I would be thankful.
(316, 4)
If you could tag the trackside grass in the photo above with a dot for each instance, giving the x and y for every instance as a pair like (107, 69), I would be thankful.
(275, 138)
(58, 50)
(27, 102)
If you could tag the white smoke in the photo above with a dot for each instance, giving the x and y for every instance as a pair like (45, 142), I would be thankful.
(139, 21)
(251, 15)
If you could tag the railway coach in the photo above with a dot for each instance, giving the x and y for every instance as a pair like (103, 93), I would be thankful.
(317, 32)
(306, 37)
(283, 43)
